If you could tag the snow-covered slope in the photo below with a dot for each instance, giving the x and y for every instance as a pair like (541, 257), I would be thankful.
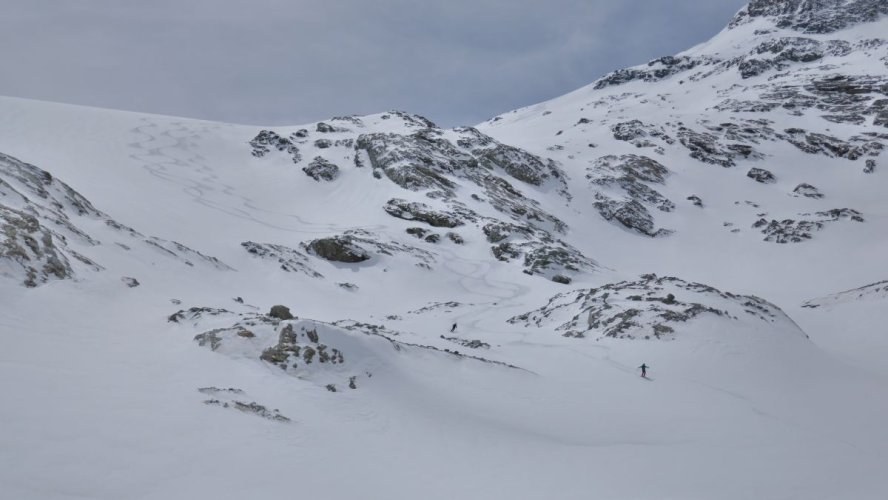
(773, 132)
(459, 313)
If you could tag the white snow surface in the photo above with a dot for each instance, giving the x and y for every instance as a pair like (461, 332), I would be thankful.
(101, 392)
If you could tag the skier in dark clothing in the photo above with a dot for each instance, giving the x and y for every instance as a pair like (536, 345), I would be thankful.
(644, 368)
(453, 328)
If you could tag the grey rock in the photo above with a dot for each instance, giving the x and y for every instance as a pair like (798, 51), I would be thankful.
(551, 259)
(655, 70)
(324, 128)
(130, 282)
(755, 67)
(639, 134)
(631, 174)
(416, 162)
(455, 238)
(321, 169)
(417, 232)
(708, 148)
(812, 16)
(803, 228)
(517, 163)
(761, 175)
(807, 191)
(498, 231)
(196, 314)
(815, 143)
(209, 339)
(630, 213)
(470, 344)
(267, 140)
(280, 312)
(338, 249)
(288, 259)
(505, 252)
(421, 212)
(562, 279)
(26, 244)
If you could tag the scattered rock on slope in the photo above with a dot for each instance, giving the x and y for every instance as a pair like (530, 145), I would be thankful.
(651, 307)
(288, 259)
(803, 229)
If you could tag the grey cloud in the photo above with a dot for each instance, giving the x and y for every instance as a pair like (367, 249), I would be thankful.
(288, 62)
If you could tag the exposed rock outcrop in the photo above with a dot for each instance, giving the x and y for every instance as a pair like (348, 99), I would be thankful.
(651, 307)
(807, 190)
(290, 260)
(321, 169)
(338, 249)
(803, 228)
(761, 175)
(629, 175)
(421, 212)
(267, 140)
(813, 16)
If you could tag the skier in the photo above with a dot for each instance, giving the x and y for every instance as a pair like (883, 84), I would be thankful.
(453, 328)
(644, 368)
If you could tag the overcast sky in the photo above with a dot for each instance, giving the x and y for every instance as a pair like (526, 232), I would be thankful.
(277, 62)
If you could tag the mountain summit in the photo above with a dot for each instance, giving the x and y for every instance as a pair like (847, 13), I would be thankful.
(813, 16)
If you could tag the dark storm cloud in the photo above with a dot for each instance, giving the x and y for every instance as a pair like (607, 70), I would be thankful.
(288, 62)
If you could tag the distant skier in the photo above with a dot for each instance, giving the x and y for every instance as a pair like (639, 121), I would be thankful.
(453, 328)
(644, 370)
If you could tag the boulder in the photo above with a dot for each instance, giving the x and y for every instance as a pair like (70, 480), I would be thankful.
(280, 312)
(338, 249)
(321, 169)
(421, 212)
(761, 175)
(807, 191)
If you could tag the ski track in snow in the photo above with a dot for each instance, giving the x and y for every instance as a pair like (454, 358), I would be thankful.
(159, 158)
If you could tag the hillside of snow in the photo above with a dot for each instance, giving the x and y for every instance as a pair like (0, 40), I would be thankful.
(376, 306)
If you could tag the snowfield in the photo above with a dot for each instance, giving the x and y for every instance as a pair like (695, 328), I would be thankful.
(569, 242)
